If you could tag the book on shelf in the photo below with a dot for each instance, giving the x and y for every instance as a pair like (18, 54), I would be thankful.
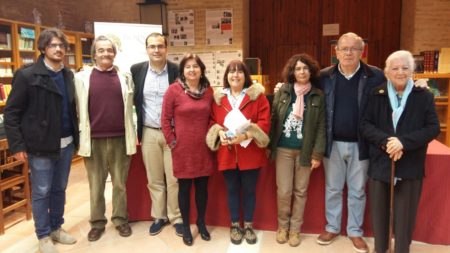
(5, 89)
(444, 60)
(418, 63)
(5, 40)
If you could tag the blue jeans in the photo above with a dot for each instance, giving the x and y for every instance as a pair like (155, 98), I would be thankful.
(343, 166)
(49, 178)
(246, 180)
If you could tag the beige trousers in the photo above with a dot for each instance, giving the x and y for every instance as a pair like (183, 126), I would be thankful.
(108, 155)
(292, 188)
(163, 186)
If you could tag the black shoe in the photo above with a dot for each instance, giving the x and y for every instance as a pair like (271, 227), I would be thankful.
(204, 234)
(157, 226)
(187, 236)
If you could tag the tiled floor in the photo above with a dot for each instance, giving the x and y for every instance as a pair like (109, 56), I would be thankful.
(20, 238)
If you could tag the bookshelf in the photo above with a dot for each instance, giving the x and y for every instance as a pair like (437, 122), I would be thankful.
(440, 86)
(18, 47)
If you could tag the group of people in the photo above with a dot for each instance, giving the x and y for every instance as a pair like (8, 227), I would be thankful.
(347, 116)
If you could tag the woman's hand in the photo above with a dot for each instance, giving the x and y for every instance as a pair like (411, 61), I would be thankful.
(238, 139)
(223, 138)
(315, 164)
(396, 156)
(393, 146)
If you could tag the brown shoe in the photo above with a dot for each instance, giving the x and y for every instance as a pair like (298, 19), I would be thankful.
(124, 230)
(326, 238)
(95, 234)
(359, 245)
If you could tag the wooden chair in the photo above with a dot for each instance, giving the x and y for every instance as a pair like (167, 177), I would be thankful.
(14, 185)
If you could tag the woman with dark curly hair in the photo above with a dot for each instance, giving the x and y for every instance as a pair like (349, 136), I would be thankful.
(297, 141)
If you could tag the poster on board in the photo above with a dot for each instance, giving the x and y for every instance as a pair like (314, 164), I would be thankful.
(129, 39)
(181, 28)
(219, 27)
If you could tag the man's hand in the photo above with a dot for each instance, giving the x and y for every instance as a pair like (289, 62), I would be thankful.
(277, 87)
(422, 83)
(21, 156)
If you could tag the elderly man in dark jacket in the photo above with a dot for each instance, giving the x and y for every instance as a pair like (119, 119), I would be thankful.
(41, 125)
(346, 87)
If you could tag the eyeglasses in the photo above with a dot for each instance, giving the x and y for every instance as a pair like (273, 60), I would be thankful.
(349, 49)
(103, 50)
(154, 47)
(305, 69)
(55, 45)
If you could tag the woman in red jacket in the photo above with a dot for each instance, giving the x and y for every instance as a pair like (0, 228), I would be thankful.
(240, 142)
(185, 119)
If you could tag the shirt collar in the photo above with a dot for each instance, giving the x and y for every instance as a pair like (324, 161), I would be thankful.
(99, 69)
(51, 68)
(348, 77)
(156, 72)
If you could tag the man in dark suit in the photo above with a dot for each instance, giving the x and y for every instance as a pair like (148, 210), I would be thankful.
(151, 79)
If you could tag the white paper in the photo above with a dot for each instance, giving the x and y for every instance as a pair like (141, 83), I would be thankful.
(236, 122)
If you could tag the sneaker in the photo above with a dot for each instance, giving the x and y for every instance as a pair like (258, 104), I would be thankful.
(178, 229)
(157, 226)
(282, 235)
(61, 236)
(46, 245)
(326, 238)
(359, 245)
(249, 234)
(236, 233)
(294, 239)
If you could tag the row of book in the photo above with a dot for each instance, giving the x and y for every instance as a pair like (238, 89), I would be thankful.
(26, 44)
(433, 61)
(5, 89)
(6, 71)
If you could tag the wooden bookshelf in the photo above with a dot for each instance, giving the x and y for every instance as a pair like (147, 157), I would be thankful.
(18, 47)
(440, 86)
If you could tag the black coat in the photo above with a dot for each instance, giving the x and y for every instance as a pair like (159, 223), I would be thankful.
(417, 126)
(33, 111)
(139, 72)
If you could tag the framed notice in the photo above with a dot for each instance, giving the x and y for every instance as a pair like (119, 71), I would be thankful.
(181, 28)
(219, 27)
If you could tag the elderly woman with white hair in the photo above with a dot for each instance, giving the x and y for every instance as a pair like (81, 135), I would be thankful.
(398, 124)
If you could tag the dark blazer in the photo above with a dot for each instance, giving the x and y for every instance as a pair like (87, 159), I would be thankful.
(370, 78)
(417, 126)
(139, 72)
(33, 111)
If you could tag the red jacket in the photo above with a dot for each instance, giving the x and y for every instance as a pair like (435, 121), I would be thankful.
(255, 107)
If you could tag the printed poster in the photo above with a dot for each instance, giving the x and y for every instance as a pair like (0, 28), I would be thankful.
(219, 27)
(181, 28)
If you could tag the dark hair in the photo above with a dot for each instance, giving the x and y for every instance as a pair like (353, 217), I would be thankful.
(289, 68)
(204, 82)
(46, 36)
(155, 35)
(102, 38)
(239, 65)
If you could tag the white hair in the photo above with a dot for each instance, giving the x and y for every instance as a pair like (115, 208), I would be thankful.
(400, 54)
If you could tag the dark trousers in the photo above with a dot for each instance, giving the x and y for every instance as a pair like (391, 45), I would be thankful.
(201, 198)
(246, 180)
(406, 201)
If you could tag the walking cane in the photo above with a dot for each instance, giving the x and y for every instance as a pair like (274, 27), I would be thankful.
(391, 207)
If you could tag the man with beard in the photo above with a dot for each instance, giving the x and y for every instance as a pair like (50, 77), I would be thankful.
(105, 105)
(41, 126)
(152, 78)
